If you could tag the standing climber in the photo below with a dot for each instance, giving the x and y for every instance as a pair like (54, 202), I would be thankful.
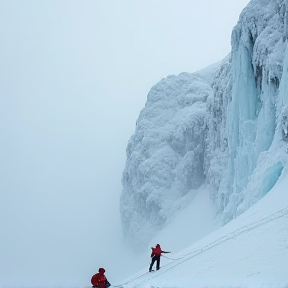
(99, 280)
(155, 255)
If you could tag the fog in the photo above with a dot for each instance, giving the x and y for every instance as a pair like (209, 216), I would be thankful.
(74, 76)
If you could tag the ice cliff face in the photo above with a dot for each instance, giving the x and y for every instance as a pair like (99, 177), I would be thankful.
(259, 42)
(216, 127)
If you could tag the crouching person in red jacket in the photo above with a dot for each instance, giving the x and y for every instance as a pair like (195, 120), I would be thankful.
(99, 280)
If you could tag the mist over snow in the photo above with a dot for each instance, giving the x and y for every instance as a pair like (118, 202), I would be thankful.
(221, 131)
(206, 169)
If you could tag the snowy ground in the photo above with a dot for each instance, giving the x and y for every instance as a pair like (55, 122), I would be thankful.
(250, 251)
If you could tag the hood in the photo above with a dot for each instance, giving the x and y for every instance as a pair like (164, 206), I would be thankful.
(101, 270)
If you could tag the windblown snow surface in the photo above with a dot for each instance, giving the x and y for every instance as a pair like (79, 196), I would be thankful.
(206, 171)
(250, 251)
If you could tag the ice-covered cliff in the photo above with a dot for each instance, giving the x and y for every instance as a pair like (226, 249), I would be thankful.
(220, 127)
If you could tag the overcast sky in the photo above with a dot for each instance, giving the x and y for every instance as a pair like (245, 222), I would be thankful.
(74, 76)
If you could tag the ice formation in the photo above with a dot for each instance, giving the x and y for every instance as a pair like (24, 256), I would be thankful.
(222, 127)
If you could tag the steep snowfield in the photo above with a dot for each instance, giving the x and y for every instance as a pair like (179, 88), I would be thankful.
(250, 251)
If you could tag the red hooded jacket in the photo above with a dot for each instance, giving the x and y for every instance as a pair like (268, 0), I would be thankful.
(99, 279)
(157, 251)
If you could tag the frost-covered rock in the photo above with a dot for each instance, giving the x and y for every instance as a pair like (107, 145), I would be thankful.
(216, 141)
(222, 126)
(165, 156)
(285, 123)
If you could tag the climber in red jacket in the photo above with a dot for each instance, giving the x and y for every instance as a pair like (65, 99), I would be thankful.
(155, 255)
(99, 280)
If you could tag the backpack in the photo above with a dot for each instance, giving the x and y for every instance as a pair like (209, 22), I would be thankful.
(156, 251)
(94, 280)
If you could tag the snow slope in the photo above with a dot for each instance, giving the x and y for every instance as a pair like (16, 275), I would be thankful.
(250, 251)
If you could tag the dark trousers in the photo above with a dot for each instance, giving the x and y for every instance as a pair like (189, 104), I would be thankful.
(155, 258)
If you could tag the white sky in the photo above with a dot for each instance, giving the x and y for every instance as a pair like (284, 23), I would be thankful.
(74, 76)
